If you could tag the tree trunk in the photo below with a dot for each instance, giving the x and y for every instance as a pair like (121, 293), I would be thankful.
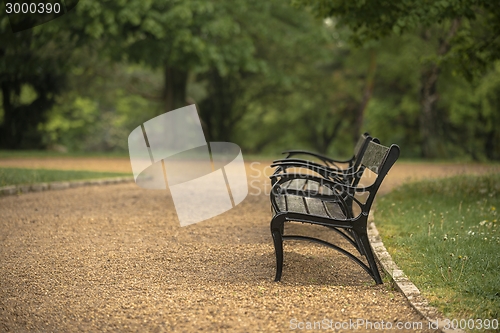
(174, 94)
(7, 129)
(218, 110)
(491, 146)
(175, 88)
(429, 122)
(428, 126)
(19, 129)
(367, 94)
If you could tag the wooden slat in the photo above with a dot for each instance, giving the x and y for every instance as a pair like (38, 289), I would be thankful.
(295, 204)
(374, 156)
(325, 190)
(315, 207)
(312, 186)
(296, 184)
(334, 210)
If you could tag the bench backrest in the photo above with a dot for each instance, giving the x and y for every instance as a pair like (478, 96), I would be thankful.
(360, 147)
(378, 159)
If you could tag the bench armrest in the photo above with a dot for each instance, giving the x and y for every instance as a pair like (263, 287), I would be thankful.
(299, 160)
(318, 168)
(324, 158)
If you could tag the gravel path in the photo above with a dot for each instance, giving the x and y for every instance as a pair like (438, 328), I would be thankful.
(113, 258)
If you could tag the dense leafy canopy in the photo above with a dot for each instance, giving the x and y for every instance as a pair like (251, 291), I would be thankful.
(475, 45)
(264, 74)
(32, 71)
(461, 34)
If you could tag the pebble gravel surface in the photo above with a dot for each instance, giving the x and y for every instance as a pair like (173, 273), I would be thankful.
(114, 258)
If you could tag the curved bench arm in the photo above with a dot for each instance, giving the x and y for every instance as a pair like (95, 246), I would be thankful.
(322, 157)
(300, 160)
(326, 172)
(319, 169)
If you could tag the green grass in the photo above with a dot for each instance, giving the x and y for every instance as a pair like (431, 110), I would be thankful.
(445, 235)
(19, 176)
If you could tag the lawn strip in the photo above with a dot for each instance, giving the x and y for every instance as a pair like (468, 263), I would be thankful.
(444, 235)
(22, 176)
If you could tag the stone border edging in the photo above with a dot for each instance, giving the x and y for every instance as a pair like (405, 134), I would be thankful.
(38, 187)
(411, 292)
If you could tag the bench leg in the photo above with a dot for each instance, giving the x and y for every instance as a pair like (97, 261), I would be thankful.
(358, 242)
(370, 257)
(278, 248)
(277, 227)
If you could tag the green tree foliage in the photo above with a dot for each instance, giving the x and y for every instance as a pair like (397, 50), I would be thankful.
(103, 102)
(465, 112)
(282, 38)
(476, 43)
(226, 56)
(263, 74)
(473, 112)
(463, 33)
(174, 36)
(33, 63)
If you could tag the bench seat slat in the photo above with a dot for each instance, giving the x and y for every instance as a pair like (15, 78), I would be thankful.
(302, 184)
(325, 190)
(296, 204)
(296, 184)
(312, 186)
(334, 210)
(316, 207)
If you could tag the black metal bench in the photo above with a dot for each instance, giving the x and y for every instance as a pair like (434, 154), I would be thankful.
(318, 200)
(329, 169)
(349, 176)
